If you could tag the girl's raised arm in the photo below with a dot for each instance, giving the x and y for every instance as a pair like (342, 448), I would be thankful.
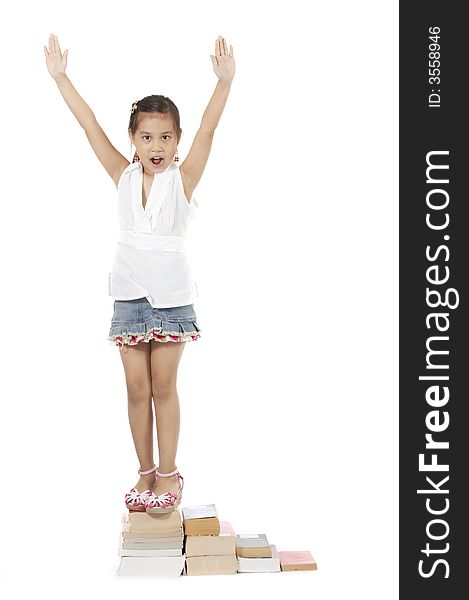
(193, 166)
(111, 159)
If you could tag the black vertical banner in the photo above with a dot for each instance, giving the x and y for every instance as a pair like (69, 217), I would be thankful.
(434, 252)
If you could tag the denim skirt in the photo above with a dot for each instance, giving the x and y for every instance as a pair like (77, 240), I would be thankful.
(137, 321)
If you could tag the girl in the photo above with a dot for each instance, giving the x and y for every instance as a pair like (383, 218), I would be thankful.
(151, 280)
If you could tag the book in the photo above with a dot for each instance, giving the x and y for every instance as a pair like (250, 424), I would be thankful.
(199, 511)
(253, 545)
(146, 527)
(157, 523)
(209, 526)
(211, 565)
(168, 544)
(139, 551)
(150, 536)
(148, 566)
(150, 552)
(260, 565)
(201, 519)
(227, 529)
(146, 535)
(212, 545)
(297, 560)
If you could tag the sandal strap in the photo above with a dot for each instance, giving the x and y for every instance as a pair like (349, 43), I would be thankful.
(154, 468)
(167, 474)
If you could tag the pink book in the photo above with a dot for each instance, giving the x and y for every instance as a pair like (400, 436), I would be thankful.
(226, 528)
(297, 560)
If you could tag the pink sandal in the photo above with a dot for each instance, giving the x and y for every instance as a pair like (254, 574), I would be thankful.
(135, 500)
(167, 502)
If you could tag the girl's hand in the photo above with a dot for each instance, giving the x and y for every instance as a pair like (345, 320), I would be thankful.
(223, 62)
(56, 63)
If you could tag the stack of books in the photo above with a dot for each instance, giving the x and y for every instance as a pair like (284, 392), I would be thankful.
(209, 545)
(197, 543)
(151, 544)
(299, 560)
(255, 554)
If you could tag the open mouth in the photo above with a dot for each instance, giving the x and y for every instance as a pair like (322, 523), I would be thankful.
(156, 161)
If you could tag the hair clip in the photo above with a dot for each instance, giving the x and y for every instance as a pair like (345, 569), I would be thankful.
(134, 106)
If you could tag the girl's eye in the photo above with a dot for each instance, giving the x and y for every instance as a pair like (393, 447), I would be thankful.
(164, 136)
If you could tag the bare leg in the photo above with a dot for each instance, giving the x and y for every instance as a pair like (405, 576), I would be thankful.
(165, 358)
(136, 361)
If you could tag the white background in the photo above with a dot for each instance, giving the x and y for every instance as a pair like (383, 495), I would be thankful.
(289, 398)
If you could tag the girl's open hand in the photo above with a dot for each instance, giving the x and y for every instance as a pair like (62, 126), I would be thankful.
(223, 62)
(56, 62)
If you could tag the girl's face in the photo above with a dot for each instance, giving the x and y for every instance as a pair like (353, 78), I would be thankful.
(156, 139)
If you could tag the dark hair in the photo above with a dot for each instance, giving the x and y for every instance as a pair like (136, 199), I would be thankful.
(152, 104)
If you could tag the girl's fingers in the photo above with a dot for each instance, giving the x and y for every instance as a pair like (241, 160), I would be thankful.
(221, 47)
(55, 44)
(58, 45)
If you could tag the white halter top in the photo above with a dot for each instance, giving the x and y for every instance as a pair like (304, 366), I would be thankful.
(151, 259)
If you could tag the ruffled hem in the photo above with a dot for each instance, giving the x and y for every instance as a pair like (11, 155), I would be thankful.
(156, 333)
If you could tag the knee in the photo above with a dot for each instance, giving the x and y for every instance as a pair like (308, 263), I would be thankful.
(138, 391)
(163, 388)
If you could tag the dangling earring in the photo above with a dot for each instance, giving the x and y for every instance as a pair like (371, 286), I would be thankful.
(136, 157)
(176, 157)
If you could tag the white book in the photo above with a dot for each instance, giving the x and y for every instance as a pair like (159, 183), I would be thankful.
(260, 565)
(201, 511)
(152, 566)
(251, 540)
